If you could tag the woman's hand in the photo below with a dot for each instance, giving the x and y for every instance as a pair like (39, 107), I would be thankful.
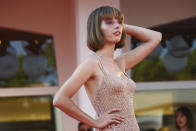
(109, 118)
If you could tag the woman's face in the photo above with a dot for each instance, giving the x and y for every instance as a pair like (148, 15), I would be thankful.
(85, 127)
(181, 120)
(112, 30)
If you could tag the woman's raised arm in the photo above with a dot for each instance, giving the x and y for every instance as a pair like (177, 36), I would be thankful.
(150, 38)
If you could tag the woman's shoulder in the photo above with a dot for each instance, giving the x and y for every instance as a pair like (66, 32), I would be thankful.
(90, 61)
(87, 67)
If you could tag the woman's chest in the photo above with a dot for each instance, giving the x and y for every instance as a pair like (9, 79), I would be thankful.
(116, 85)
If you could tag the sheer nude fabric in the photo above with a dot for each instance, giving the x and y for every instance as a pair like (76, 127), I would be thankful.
(116, 92)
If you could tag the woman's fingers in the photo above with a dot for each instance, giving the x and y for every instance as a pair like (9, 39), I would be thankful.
(117, 117)
(110, 118)
(115, 122)
(113, 110)
(120, 116)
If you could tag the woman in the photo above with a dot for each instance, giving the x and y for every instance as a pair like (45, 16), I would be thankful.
(83, 127)
(184, 119)
(107, 85)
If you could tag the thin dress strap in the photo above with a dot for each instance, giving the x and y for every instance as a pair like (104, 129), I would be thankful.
(122, 70)
(100, 63)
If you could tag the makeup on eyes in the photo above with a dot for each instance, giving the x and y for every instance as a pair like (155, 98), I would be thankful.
(112, 21)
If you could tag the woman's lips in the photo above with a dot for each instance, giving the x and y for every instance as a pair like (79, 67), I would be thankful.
(117, 33)
(179, 123)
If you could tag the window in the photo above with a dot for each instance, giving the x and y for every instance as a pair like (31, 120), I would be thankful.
(30, 113)
(156, 109)
(27, 65)
(172, 60)
(166, 79)
(27, 59)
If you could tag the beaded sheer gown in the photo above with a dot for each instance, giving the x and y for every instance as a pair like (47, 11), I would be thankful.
(116, 92)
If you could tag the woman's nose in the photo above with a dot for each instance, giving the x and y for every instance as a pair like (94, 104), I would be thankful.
(117, 25)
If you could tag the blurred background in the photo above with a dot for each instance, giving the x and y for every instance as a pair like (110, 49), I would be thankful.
(41, 43)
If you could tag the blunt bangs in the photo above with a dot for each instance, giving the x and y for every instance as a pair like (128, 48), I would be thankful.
(109, 13)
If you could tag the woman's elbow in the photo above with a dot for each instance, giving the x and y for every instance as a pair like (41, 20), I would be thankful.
(159, 36)
(156, 38)
(56, 102)
(60, 100)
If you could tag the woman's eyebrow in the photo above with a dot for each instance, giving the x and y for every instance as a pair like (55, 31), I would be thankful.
(108, 19)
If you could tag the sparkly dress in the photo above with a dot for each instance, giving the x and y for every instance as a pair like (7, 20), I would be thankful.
(116, 92)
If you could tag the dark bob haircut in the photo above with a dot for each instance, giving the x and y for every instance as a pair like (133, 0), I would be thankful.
(95, 38)
(187, 112)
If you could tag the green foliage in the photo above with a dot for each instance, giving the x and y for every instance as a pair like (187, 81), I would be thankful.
(153, 70)
(50, 55)
(19, 79)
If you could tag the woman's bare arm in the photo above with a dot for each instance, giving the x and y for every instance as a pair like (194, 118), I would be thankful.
(150, 38)
(63, 101)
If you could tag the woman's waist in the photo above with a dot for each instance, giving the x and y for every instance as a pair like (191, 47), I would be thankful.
(126, 112)
(129, 124)
(125, 107)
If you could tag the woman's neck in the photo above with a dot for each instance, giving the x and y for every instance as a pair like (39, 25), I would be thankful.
(107, 51)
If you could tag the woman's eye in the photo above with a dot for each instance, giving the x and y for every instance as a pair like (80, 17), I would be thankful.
(109, 22)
